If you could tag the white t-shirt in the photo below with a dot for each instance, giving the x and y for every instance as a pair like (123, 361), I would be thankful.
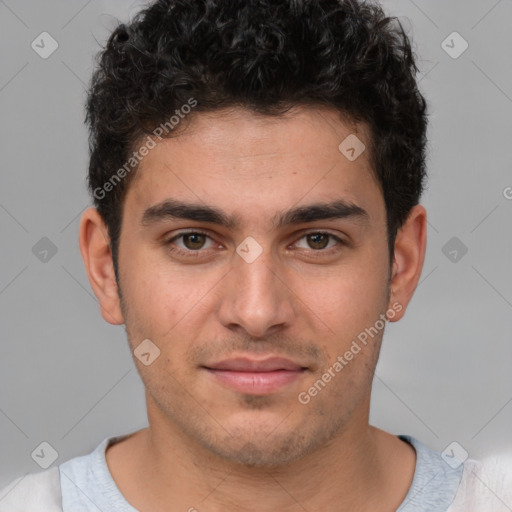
(84, 484)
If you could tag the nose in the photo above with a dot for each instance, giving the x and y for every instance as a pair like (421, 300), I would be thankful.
(255, 297)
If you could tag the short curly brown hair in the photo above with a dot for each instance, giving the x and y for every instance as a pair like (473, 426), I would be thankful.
(266, 56)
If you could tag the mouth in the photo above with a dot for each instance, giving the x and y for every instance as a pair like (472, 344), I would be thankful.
(256, 377)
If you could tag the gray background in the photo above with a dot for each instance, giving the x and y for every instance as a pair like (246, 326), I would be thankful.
(67, 377)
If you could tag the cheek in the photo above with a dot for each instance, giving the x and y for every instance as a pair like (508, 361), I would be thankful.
(164, 302)
(151, 283)
(347, 296)
(342, 304)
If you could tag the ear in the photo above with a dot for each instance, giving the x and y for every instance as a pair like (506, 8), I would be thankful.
(410, 244)
(97, 256)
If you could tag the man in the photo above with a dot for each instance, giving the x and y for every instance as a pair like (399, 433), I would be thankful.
(256, 169)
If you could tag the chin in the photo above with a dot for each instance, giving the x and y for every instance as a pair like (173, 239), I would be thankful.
(262, 453)
(260, 445)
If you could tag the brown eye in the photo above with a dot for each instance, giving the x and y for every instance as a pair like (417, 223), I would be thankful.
(190, 244)
(320, 243)
(194, 241)
(318, 240)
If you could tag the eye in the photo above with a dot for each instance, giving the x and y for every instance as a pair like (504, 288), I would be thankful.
(189, 242)
(194, 241)
(320, 241)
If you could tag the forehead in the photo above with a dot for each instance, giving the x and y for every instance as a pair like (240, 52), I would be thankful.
(243, 162)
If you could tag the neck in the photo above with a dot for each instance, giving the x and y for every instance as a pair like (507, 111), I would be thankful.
(361, 468)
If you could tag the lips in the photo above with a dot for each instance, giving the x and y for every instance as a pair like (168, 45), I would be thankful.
(255, 377)
(250, 365)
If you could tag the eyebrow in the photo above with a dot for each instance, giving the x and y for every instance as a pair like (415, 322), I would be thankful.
(174, 209)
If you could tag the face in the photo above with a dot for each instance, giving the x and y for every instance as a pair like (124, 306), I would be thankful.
(249, 290)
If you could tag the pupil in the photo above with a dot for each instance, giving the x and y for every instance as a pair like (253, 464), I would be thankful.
(195, 240)
(319, 241)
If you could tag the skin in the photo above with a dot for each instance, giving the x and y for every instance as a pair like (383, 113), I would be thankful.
(212, 448)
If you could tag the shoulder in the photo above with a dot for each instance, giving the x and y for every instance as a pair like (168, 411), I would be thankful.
(486, 486)
(35, 492)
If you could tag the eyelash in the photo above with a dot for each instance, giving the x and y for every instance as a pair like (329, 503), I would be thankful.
(199, 252)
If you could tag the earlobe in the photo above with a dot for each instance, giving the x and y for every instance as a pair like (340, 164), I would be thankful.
(97, 256)
(410, 245)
